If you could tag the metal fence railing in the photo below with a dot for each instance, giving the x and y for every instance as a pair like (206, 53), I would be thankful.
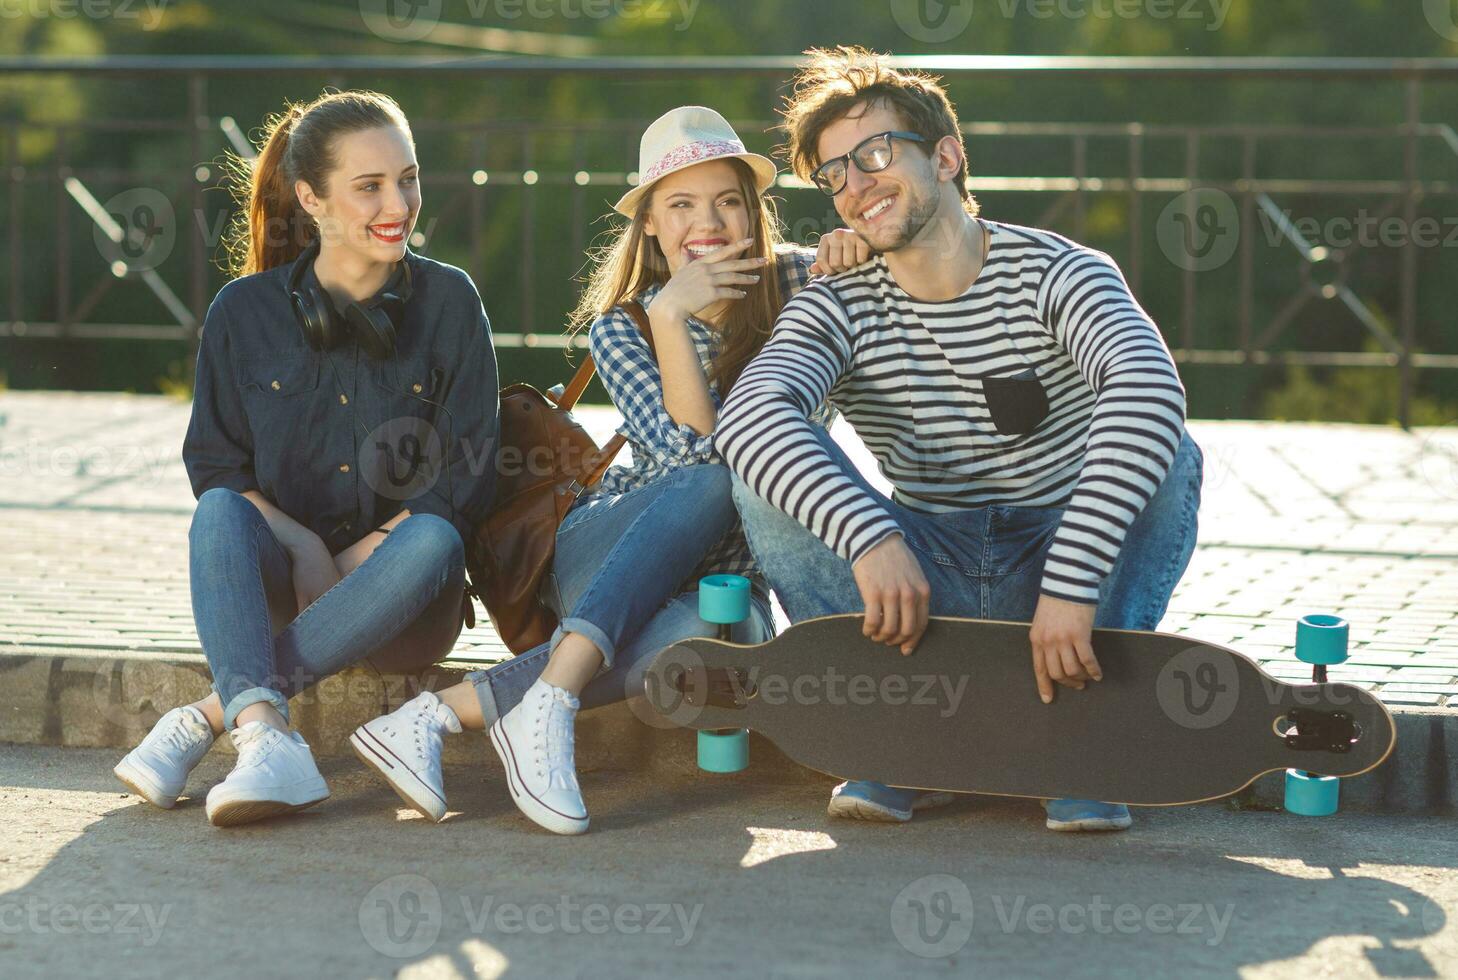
(578, 172)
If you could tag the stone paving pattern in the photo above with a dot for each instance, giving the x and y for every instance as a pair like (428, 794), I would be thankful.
(1361, 521)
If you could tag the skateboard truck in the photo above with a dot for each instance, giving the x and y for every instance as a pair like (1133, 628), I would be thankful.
(713, 687)
(1321, 640)
(1329, 731)
(723, 599)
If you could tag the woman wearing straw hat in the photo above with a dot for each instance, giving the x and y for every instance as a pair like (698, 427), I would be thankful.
(701, 254)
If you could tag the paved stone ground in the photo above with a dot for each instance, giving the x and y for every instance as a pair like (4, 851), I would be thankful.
(1356, 520)
(703, 876)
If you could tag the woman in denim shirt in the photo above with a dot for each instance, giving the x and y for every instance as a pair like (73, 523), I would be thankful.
(325, 531)
(701, 255)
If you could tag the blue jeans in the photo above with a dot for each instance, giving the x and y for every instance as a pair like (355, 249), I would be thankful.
(616, 580)
(402, 604)
(985, 562)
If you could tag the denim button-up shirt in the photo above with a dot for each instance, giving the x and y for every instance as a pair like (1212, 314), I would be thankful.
(338, 441)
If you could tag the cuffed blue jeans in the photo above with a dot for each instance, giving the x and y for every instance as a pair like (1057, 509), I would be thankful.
(985, 562)
(402, 604)
(616, 579)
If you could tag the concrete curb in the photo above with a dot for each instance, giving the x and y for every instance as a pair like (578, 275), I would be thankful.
(110, 700)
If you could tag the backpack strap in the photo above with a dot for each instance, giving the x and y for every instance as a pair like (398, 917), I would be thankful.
(577, 385)
(640, 318)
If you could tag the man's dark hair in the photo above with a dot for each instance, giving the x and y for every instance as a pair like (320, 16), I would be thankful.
(835, 81)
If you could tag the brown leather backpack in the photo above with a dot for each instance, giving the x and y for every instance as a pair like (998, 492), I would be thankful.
(545, 461)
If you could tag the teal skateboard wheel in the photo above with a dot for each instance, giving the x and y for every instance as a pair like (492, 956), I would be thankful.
(1310, 795)
(1322, 639)
(724, 751)
(724, 599)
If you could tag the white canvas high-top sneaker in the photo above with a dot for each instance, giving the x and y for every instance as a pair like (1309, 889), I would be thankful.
(535, 742)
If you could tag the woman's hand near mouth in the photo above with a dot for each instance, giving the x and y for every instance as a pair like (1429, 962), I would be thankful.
(696, 287)
(704, 282)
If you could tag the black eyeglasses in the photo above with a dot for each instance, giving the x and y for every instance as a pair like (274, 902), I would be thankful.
(870, 155)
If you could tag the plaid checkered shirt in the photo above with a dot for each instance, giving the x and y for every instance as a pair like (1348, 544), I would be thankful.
(630, 375)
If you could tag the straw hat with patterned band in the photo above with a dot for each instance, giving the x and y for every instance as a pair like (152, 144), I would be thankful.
(683, 137)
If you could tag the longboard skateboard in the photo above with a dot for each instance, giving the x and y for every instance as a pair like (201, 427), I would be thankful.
(1174, 721)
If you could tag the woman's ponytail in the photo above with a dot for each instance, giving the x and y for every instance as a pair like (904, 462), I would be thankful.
(270, 208)
(271, 227)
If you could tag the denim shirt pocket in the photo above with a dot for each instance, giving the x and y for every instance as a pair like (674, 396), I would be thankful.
(277, 392)
(277, 376)
(419, 376)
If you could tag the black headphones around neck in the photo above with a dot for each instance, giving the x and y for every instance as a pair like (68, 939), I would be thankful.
(372, 323)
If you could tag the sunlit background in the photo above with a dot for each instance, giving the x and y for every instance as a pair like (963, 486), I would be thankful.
(1323, 192)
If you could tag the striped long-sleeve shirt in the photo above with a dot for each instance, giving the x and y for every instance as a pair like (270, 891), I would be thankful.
(1045, 384)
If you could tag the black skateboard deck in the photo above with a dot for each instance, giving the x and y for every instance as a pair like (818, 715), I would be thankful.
(1174, 721)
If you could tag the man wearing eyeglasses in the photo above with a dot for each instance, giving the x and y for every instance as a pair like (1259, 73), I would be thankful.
(1022, 404)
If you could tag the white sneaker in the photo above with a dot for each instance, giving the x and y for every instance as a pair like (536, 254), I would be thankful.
(404, 747)
(535, 743)
(275, 773)
(157, 769)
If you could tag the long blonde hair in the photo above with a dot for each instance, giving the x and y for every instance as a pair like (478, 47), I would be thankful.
(632, 261)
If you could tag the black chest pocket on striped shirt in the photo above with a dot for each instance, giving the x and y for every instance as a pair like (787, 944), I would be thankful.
(1017, 404)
